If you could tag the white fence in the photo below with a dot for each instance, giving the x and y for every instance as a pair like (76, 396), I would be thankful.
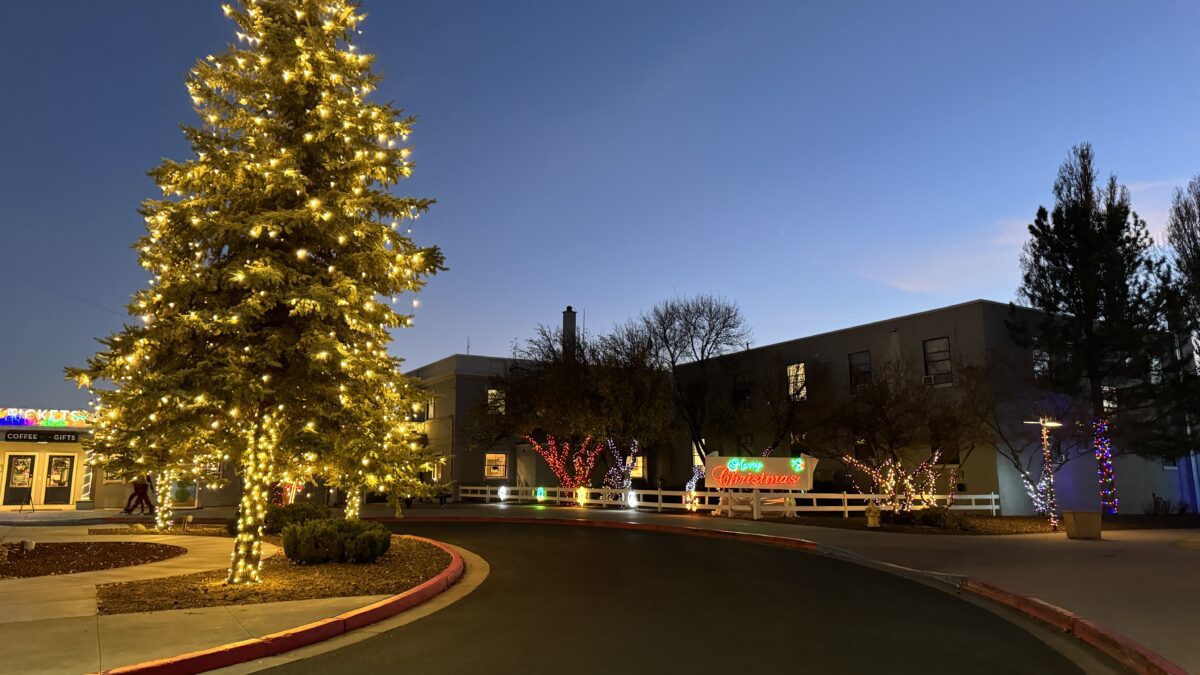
(727, 502)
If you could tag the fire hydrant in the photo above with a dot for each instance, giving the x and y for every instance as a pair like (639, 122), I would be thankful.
(872, 512)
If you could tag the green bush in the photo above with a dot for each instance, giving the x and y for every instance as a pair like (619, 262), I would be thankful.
(231, 527)
(943, 518)
(279, 517)
(321, 541)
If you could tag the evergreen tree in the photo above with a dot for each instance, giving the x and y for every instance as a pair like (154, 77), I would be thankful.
(1183, 233)
(274, 251)
(1088, 265)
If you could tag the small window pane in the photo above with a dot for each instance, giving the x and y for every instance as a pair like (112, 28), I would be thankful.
(495, 465)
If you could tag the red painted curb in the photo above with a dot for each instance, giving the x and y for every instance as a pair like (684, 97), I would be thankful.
(1127, 652)
(301, 636)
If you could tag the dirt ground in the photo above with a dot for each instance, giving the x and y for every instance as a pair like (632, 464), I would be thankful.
(408, 563)
(85, 556)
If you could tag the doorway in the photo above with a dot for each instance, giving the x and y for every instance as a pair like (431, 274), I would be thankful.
(18, 482)
(60, 473)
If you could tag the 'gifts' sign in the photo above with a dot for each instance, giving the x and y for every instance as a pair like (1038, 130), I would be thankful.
(764, 473)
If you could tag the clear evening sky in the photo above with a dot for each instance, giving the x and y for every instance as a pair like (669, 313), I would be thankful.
(823, 164)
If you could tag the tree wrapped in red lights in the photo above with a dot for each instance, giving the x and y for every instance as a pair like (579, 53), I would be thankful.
(571, 463)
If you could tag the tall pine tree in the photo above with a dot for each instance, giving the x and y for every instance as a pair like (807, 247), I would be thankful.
(1088, 266)
(275, 251)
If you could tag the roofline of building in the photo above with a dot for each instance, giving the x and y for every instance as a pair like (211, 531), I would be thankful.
(977, 301)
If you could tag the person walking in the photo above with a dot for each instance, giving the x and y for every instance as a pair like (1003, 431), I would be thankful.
(128, 510)
(141, 496)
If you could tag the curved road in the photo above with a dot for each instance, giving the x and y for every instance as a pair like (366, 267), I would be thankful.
(582, 600)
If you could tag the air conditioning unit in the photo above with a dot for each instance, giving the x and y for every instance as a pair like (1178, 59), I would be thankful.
(929, 380)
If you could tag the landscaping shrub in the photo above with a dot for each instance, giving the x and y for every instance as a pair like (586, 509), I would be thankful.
(279, 517)
(943, 518)
(321, 541)
(231, 527)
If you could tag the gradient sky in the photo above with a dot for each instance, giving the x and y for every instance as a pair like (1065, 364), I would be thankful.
(823, 164)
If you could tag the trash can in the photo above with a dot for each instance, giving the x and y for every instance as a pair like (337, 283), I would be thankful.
(1082, 524)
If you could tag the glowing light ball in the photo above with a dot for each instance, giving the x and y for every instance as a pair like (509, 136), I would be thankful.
(540, 494)
(631, 499)
(502, 492)
(581, 495)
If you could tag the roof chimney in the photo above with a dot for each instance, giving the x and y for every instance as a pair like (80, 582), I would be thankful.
(568, 333)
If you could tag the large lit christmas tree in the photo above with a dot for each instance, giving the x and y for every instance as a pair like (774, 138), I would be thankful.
(277, 253)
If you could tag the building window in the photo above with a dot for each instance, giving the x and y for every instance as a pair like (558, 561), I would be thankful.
(1171, 464)
(860, 369)
(937, 361)
(1156, 370)
(430, 410)
(797, 382)
(495, 465)
(1109, 394)
(495, 401)
(637, 467)
(697, 458)
(1041, 363)
(741, 390)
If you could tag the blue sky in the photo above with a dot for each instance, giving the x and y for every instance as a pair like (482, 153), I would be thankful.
(823, 164)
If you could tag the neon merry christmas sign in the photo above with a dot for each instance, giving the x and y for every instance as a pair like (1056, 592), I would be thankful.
(28, 417)
(788, 473)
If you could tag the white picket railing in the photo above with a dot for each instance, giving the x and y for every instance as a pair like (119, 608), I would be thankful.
(727, 502)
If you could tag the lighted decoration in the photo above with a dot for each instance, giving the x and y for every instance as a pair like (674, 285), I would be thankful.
(29, 417)
(1102, 446)
(581, 495)
(502, 493)
(1046, 501)
(697, 474)
(286, 204)
(783, 473)
(572, 465)
(631, 499)
(353, 503)
(692, 501)
(901, 486)
(540, 495)
(618, 475)
(162, 495)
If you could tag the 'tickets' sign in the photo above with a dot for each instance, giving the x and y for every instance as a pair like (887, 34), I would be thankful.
(764, 473)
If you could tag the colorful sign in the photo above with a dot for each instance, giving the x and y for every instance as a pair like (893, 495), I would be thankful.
(763, 473)
(28, 417)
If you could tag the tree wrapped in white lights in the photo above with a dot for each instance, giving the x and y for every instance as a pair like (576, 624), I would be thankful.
(274, 252)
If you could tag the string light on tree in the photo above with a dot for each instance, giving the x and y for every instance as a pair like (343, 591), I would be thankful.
(1047, 500)
(571, 464)
(1102, 447)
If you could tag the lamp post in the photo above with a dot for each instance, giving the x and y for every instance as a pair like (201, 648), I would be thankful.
(1048, 471)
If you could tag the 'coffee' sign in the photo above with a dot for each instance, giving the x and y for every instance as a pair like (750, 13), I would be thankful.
(764, 473)
(41, 436)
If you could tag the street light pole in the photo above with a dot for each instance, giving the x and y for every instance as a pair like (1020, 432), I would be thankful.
(1048, 471)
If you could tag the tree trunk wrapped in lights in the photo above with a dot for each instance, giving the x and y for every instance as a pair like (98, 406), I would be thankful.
(162, 495)
(353, 503)
(277, 254)
(571, 463)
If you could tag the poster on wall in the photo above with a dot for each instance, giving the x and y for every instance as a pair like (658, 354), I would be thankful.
(20, 473)
(763, 473)
(60, 472)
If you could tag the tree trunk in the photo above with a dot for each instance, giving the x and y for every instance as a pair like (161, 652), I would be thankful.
(257, 468)
(162, 497)
(353, 502)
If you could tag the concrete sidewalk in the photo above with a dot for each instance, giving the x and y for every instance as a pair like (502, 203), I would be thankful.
(1144, 584)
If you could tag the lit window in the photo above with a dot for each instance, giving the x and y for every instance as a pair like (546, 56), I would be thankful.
(495, 401)
(637, 469)
(495, 465)
(797, 382)
(430, 410)
(697, 458)
(937, 361)
(860, 368)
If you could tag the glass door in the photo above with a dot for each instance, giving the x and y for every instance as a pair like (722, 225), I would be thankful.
(60, 475)
(18, 479)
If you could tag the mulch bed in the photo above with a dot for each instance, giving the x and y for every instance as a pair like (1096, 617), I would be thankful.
(408, 563)
(68, 558)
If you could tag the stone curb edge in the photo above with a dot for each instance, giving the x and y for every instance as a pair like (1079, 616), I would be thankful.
(1124, 650)
(301, 636)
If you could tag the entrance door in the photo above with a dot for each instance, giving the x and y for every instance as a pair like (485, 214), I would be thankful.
(18, 483)
(60, 473)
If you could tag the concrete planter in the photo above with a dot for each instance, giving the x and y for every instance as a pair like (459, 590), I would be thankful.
(1082, 524)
